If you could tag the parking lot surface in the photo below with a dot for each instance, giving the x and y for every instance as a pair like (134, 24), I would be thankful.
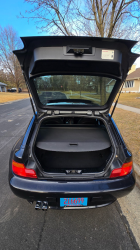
(22, 227)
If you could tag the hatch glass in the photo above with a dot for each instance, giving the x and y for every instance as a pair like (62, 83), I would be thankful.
(73, 89)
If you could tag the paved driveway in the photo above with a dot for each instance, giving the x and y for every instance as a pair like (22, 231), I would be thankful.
(22, 227)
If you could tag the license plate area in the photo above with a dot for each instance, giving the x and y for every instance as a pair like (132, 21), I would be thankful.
(73, 202)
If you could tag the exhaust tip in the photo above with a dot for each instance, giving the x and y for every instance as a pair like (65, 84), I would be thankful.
(45, 206)
(38, 205)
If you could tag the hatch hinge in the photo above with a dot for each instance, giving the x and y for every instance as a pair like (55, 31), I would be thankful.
(101, 112)
(49, 112)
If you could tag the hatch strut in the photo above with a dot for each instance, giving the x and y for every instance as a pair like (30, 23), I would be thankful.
(26, 80)
(116, 101)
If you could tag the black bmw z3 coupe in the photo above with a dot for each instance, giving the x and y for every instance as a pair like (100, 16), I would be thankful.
(72, 155)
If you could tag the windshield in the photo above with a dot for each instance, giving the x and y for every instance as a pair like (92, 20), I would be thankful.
(73, 89)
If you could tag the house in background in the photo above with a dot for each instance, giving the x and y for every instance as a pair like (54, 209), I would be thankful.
(132, 83)
(3, 87)
(133, 68)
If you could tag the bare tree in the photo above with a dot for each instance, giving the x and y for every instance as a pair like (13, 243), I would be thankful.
(3, 76)
(105, 18)
(9, 64)
(51, 15)
(111, 18)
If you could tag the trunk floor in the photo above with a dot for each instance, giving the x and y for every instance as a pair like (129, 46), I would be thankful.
(73, 160)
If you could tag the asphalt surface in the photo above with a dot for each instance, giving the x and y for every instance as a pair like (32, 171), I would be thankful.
(22, 227)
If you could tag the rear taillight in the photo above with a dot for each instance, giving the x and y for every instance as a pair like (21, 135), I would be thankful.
(21, 170)
(124, 170)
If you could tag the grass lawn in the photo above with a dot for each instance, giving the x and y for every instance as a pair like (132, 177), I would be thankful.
(129, 126)
(6, 96)
(129, 99)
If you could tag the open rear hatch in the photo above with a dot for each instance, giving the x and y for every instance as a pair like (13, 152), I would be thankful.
(77, 72)
(70, 78)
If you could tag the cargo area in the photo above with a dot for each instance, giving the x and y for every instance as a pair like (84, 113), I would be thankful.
(73, 144)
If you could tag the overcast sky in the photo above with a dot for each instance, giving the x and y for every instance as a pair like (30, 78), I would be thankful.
(9, 12)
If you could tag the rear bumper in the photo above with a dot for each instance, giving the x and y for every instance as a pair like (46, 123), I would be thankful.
(99, 192)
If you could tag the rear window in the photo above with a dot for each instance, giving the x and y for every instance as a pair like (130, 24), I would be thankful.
(73, 89)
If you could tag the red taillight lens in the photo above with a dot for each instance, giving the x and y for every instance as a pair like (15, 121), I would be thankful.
(124, 170)
(19, 169)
